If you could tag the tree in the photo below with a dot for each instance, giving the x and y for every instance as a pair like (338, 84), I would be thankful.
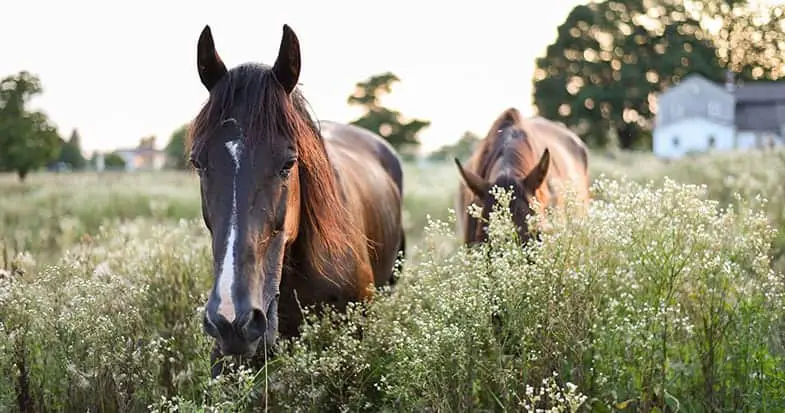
(27, 139)
(114, 161)
(175, 149)
(387, 123)
(147, 142)
(461, 149)
(71, 152)
(750, 38)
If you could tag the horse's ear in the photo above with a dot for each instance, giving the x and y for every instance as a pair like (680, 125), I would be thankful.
(211, 67)
(537, 175)
(478, 186)
(287, 65)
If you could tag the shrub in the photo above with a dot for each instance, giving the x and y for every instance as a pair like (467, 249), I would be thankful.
(111, 326)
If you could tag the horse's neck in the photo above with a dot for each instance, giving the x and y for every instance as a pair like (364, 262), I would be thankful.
(309, 286)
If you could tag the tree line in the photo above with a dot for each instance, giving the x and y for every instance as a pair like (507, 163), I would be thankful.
(29, 141)
(599, 77)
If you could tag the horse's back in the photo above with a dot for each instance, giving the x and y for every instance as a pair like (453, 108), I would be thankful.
(556, 133)
(362, 141)
(371, 177)
(569, 155)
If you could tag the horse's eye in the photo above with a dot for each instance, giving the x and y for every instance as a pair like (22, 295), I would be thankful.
(287, 168)
(200, 169)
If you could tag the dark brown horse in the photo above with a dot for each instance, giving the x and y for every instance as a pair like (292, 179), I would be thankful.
(530, 155)
(299, 213)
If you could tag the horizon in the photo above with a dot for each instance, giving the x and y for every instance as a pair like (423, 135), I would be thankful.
(121, 72)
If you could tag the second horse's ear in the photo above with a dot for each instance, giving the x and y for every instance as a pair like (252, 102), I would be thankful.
(480, 187)
(536, 176)
(287, 64)
(209, 64)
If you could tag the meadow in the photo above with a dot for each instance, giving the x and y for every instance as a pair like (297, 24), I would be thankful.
(668, 296)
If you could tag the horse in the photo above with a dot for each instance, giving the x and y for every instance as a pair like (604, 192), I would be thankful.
(530, 155)
(300, 212)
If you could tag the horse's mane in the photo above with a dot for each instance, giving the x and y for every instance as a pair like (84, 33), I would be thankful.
(493, 147)
(328, 234)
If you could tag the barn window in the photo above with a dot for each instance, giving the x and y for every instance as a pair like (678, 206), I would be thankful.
(712, 141)
(675, 141)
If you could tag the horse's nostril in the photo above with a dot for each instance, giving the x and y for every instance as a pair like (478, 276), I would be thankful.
(255, 325)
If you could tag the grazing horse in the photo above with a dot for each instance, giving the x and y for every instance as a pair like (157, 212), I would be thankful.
(529, 155)
(299, 213)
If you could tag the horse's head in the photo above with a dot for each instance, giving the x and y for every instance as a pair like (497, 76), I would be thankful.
(523, 187)
(243, 144)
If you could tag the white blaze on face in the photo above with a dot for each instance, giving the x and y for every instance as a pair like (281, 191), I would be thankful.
(227, 275)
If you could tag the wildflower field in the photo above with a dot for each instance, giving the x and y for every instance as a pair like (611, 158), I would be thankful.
(668, 296)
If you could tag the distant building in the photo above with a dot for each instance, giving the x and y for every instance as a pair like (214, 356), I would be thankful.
(698, 115)
(142, 158)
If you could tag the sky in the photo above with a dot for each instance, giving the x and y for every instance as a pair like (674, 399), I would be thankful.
(121, 70)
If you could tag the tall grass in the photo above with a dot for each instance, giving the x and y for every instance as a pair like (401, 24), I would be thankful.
(49, 213)
(667, 295)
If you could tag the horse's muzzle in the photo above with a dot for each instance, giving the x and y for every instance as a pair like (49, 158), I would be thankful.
(240, 337)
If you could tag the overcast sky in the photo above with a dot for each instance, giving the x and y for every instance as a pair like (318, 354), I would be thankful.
(118, 71)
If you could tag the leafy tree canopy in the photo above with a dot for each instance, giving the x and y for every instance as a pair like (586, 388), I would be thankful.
(147, 142)
(71, 151)
(749, 36)
(175, 149)
(114, 161)
(462, 149)
(27, 139)
(387, 123)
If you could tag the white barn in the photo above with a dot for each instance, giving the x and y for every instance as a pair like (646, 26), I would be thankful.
(698, 115)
